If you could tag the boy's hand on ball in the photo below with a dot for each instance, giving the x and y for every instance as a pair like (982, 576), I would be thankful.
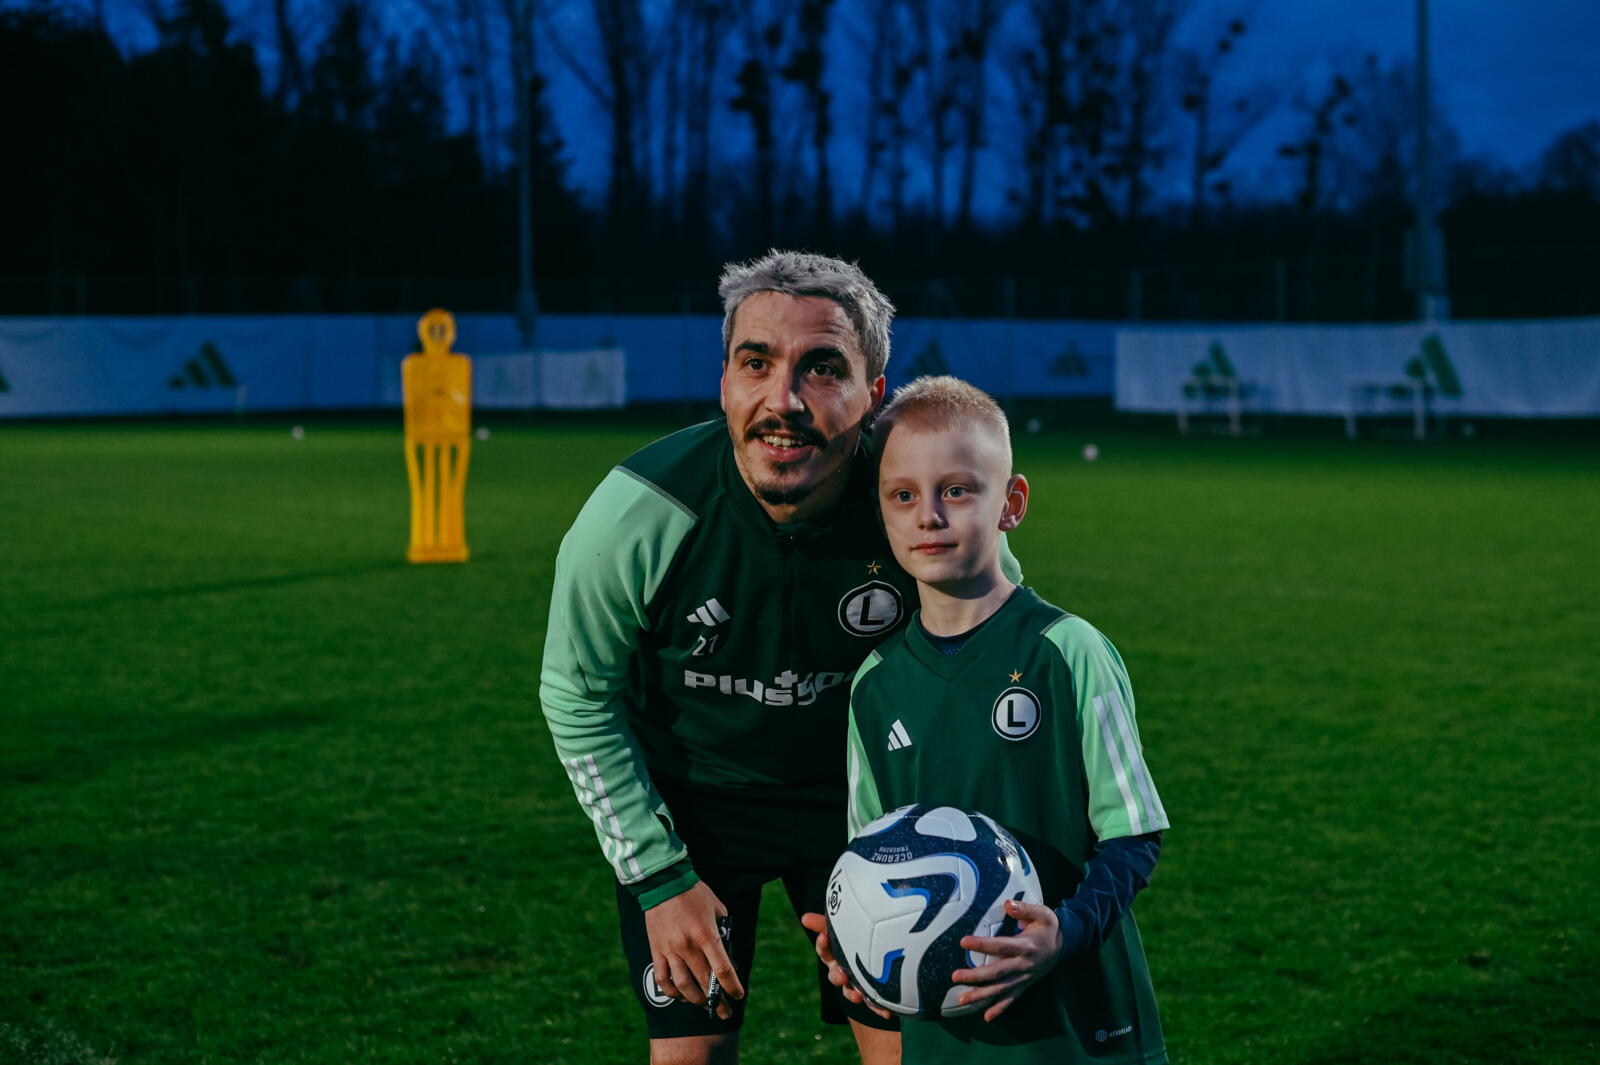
(816, 922)
(1015, 962)
(688, 950)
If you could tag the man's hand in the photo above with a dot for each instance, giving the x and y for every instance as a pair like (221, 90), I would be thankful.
(1015, 961)
(815, 922)
(686, 949)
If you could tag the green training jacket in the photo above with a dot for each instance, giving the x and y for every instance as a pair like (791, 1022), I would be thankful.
(694, 642)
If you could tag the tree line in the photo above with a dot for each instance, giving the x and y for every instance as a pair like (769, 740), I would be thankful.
(980, 157)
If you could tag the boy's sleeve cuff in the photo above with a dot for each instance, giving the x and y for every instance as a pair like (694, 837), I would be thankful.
(671, 882)
(1074, 930)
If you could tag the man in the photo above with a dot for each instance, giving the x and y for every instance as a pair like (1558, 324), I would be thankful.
(711, 601)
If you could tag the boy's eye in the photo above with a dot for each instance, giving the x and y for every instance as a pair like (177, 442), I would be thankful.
(902, 496)
(955, 491)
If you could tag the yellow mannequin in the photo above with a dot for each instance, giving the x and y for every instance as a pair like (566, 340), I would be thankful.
(438, 399)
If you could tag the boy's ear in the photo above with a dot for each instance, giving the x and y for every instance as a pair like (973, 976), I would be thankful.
(1016, 503)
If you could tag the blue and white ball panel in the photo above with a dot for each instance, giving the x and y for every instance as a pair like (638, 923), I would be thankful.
(910, 886)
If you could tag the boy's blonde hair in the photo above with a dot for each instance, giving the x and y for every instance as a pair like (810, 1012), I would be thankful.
(946, 403)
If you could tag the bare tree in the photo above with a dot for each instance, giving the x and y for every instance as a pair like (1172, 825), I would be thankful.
(969, 58)
(705, 24)
(1146, 69)
(156, 12)
(673, 73)
(937, 82)
(1038, 72)
(520, 18)
(1371, 155)
(1323, 113)
(879, 56)
(623, 58)
(805, 68)
(468, 30)
(1217, 130)
(478, 74)
(291, 68)
(892, 65)
(764, 40)
(341, 86)
(620, 79)
(1070, 111)
(1572, 161)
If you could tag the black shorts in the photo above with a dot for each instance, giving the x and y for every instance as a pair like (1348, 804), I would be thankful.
(738, 847)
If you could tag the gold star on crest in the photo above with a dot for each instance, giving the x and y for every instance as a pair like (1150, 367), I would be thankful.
(872, 567)
(1015, 676)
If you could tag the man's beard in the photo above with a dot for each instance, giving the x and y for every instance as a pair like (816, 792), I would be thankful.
(783, 497)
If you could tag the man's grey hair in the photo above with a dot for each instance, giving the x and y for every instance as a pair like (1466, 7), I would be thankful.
(799, 273)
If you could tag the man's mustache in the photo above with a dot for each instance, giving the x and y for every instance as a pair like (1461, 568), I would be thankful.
(804, 434)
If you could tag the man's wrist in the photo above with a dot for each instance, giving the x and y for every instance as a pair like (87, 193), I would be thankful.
(669, 883)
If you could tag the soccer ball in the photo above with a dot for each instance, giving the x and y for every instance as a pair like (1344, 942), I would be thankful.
(908, 888)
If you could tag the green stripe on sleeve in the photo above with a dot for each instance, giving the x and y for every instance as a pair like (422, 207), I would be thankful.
(611, 563)
(1123, 800)
(864, 803)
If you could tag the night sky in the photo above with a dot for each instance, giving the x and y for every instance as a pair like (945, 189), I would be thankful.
(1510, 74)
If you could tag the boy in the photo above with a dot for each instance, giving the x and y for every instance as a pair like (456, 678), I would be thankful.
(991, 699)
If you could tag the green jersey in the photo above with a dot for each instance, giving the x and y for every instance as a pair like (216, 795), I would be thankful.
(1032, 723)
(698, 648)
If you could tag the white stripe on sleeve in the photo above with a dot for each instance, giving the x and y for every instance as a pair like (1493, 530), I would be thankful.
(854, 784)
(1155, 814)
(1135, 823)
(625, 845)
(617, 847)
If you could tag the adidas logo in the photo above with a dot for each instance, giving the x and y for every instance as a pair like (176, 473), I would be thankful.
(195, 371)
(1070, 363)
(898, 736)
(930, 363)
(710, 614)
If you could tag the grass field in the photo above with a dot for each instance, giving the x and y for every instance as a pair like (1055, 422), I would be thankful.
(269, 794)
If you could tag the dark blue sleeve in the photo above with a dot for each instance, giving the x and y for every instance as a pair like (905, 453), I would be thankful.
(1119, 870)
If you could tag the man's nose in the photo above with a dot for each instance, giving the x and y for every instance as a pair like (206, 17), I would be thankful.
(783, 393)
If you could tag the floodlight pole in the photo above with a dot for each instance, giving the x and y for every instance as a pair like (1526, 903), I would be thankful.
(1432, 300)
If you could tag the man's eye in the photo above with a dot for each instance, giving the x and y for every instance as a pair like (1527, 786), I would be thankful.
(755, 362)
(825, 369)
